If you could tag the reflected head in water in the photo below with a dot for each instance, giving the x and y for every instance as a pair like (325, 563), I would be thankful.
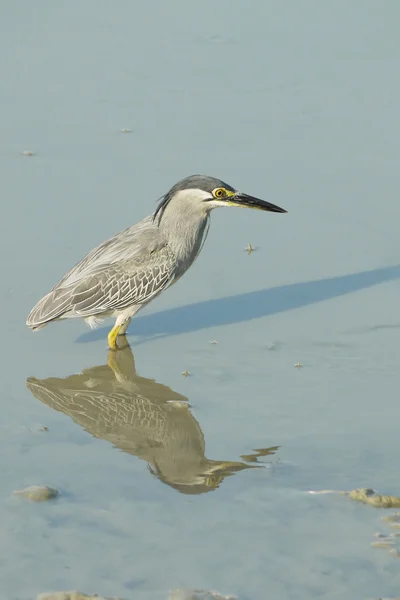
(209, 479)
(141, 417)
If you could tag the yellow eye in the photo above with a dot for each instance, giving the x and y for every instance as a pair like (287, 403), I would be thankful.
(219, 193)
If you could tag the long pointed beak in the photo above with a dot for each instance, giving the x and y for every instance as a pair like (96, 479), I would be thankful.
(251, 202)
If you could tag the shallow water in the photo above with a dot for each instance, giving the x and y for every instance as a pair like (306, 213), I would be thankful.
(294, 102)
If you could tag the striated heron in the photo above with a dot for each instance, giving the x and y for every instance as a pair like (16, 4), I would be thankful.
(124, 273)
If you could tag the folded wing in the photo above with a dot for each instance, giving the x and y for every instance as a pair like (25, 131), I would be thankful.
(129, 269)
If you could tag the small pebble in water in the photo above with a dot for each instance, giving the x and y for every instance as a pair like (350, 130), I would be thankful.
(213, 342)
(44, 428)
(38, 493)
(382, 544)
(126, 130)
(27, 153)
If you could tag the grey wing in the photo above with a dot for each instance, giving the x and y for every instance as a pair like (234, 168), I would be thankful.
(127, 270)
(123, 285)
(136, 242)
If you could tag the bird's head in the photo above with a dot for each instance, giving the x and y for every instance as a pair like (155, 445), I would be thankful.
(205, 476)
(205, 193)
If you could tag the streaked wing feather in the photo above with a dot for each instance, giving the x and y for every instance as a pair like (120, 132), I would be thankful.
(50, 307)
(134, 243)
(118, 287)
(128, 269)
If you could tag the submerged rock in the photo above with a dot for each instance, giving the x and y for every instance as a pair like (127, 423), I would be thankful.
(366, 496)
(179, 594)
(72, 596)
(369, 496)
(38, 493)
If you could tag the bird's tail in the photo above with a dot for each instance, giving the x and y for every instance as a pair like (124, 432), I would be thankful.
(51, 307)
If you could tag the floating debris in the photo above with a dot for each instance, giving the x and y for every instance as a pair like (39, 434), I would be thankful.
(27, 153)
(249, 249)
(389, 541)
(43, 428)
(320, 492)
(392, 520)
(126, 130)
(213, 342)
(366, 496)
(72, 596)
(38, 493)
(298, 365)
(186, 373)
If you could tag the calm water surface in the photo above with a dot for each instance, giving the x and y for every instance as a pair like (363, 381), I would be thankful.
(169, 481)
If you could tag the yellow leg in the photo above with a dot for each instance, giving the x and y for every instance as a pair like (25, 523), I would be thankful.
(112, 337)
(112, 363)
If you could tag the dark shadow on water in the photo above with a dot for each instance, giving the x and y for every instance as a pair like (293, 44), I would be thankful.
(247, 306)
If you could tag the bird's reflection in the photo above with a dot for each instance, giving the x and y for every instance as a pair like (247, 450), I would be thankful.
(143, 418)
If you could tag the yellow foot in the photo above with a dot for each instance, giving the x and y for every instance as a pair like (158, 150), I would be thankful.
(112, 337)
